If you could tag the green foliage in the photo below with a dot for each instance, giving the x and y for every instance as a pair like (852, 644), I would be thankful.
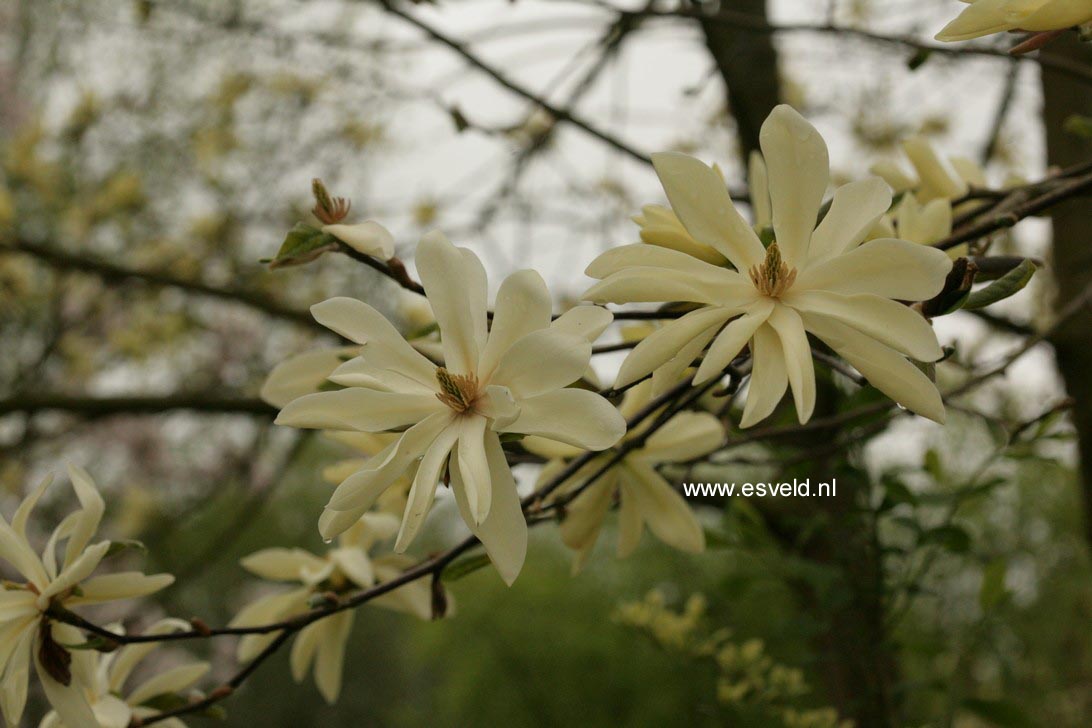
(1007, 285)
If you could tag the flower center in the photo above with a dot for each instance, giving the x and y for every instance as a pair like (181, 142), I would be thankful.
(459, 391)
(773, 276)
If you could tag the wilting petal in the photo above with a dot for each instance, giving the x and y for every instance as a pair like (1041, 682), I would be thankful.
(357, 408)
(587, 322)
(123, 585)
(685, 436)
(731, 340)
(664, 511)
(574, 416)
(542, 361)
(473, 466)
(455, 284)
(522, 306)
(885, 368)
(283, 564)
(769, 378)
(854, 210)
(798, 365)
(892, 323)
(301, 374)
(424, 485)
(174, 680)
(885, 267)
(700, 198)
(368, 237)
(503, 533)
(799, 170)
(664, 343)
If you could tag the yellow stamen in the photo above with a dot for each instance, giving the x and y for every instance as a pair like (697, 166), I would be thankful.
(460, 391)
(773, 276)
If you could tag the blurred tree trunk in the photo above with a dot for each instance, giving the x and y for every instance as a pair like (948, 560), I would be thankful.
(1063, 97)
(857, 665)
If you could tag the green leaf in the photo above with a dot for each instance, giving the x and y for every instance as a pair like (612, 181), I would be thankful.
(918, 60)
(950, 537)
(116, 547)
(932, 464)
(464, 566)
(302, 244)
(1001, 713)
(1007, 285)
(992, 590)
(1078, 125)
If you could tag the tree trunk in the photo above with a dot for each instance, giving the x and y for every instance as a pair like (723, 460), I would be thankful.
(1063, 97)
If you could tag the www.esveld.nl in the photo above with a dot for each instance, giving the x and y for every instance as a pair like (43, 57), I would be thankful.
(795, 489)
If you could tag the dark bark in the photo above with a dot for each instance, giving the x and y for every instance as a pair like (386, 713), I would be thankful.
(1064, 97)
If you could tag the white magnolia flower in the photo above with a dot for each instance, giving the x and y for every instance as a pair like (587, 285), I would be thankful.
(983, 17)
(367, 237)
(511, 378)
(26, 630)
(811, 279)
(934, 175)
(644, 496)
(304, 373)
(115, 707)
(344, 568)
(393, 499)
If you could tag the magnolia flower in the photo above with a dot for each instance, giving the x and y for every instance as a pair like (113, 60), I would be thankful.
(113, 707)
(302, 374)
(818, 279)
(934, 176)
(26, 628)
(393, 499)
(345, 567)
(983, 17)
(511, 378)
(367, 237)
(645, 498)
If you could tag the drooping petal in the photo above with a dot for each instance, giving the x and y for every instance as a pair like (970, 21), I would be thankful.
(474, 467)
(663, 509)
(700, 198)
(303, 649)
(455, 284)
(522, 306)
(892, 323)
(685, 436)
(357, 408)
(574, 416)
(885, 267)
(799, 172)
(301, 374)
(798, 364)
(854, 210)
(413, 598)
(424, 485)
(68, 701)
(769, 378)
(503, 533)
(283, 564)
(585, 514)
(16, 673)
(330, 656)
(664, 343)
(587, 322)
(731, 340)
(885, 368)
(630, 523)
(983, 18)
(542, 361)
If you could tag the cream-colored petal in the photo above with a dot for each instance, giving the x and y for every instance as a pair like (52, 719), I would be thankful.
(127, 658)
(111, 712)
(639, 255)
(731, 340)
(854, 211)
(17, 552)
(499, 405)
(799, 172)
(660, 226)
(474, 467)
(355, 564)
(646, 284)
(938, 178)
(123, 585)
(892, 323)
(330, 656)
(664, 343)
(92, 508)
(585, 514)
(885, 368)
(303, 649)
(522, 306)
(423, 491)
(798, 364)
(663, 509)
(587, 322)
(368, 237)
(667, 375)
(68, 701)
(383, 368)
(357, 408)
(80, 568)
(503, 533)
(16, 604)
(542, 361)
(22, 514)
(985, 17)
(894, 175)
(455, 284)
(574, 416)
(630, 523)
(685, 436)
(173, 680)
(1057, 15)
(282, 564)
(758, 180)
(16, 675)
(700, 198)
(302, 374)
(769, 377)
(885, 267)
(414, 598)
(357, 321)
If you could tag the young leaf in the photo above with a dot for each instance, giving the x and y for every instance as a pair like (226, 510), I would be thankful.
(1005, 286)
(464, 566)
(303, 244)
